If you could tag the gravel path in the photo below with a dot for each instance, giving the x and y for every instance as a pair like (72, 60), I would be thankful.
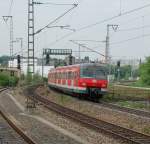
(8, 135)
(87, 135)
(40, 132)
(124, 119)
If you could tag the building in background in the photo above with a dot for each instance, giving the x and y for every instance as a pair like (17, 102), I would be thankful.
(38, 68)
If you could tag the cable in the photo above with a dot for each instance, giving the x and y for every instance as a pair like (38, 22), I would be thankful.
(100, 22)
(91, 41)
(82, 45)
(10, 8)
(56, 4)
(75, 11)
(120, 7)
(137, 37)
(133, 19)
(75, 5)
(125, 13)
(134, 28)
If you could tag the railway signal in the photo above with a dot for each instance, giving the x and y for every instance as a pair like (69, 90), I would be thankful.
(70, 59)
(118, 63)
(118, 70)
(47, 59)
(18, 62)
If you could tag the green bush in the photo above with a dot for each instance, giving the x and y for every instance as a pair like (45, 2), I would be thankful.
(145, 72)
(7, 80)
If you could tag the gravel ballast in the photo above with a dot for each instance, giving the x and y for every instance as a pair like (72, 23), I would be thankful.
(123, 119)
(42, 132)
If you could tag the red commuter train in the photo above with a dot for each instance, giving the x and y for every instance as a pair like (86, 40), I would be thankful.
(88, 80)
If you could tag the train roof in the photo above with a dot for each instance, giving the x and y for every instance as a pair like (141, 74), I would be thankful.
(81, 65)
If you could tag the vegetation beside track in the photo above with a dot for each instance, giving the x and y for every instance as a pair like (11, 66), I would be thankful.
(6, 80)
(119, 92)
(142, 105)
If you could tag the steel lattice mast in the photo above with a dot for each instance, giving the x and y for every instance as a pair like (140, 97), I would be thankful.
(30, 36)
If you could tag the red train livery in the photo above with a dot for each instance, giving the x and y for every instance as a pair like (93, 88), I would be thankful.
(81, 80)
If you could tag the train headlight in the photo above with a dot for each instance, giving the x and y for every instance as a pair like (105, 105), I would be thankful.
(94, 81)
(103, 85)
(83, 84)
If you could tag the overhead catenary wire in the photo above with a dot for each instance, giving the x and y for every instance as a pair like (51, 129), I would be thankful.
(97, 41)
(10, 8)
(83, 45)
(75, 5)
(133, 19)
(134, 28)
(130, 39)
(114, 17)
(51, 3)
(99, 22)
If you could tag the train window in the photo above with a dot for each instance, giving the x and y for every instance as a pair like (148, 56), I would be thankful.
(62, 75)
(73, 75)
(59, 75)
(69, 75)
(93, 71)
(55, 75)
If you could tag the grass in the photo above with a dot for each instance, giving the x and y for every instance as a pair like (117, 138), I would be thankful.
(128, 93)
(63, 99)
(135, 105)
(146, 130)
(138, 84)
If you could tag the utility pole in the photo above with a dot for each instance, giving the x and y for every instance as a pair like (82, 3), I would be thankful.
(11, 38)
(42, 64)
(79, 55)
(107, 50)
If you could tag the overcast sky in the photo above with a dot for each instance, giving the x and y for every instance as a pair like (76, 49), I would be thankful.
(132, 25)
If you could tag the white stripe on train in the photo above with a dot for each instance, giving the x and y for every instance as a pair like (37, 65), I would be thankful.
(68, 87)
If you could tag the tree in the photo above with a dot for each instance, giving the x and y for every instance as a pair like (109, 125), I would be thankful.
(4, 60)
(145, 72)
(125, 72)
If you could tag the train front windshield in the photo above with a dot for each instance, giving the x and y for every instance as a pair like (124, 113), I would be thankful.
(97, 72)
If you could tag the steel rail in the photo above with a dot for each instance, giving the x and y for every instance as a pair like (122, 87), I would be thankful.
(98, 125)
(3, 89)
(141, 113)
(20, 132)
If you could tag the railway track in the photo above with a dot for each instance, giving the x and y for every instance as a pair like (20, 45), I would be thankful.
(3, 89)
(122, 109)
(10, 133)
(116, 131)
(125, 109)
